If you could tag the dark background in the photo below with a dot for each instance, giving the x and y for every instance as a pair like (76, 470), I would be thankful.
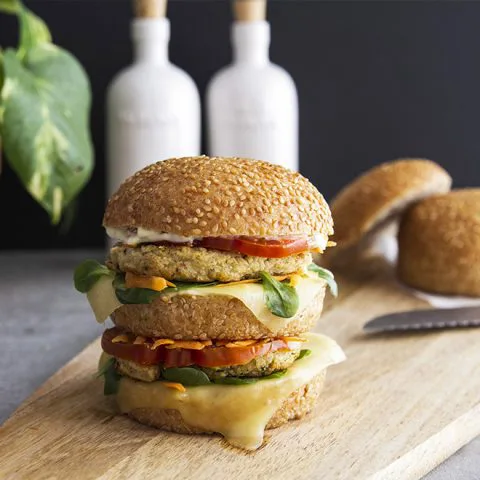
(376, 81)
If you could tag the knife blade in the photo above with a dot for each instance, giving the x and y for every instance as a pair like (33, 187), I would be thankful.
(425, 320)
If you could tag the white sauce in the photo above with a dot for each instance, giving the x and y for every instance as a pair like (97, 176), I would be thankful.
(143, 235)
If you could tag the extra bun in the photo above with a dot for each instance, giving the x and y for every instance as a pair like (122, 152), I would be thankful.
(439, 244)
(381, 193)
(297, 405)
(202, 196)
(190, 317)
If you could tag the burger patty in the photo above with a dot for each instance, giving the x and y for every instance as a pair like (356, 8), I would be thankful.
(196, 264)
(260, 366)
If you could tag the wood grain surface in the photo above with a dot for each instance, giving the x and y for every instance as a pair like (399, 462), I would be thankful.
(394, 410)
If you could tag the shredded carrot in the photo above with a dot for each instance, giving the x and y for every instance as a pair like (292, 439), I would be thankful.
(292, 339)
(140, 281)
(176, 386)
(240, 343)
(191, 345)
(123, 338)
(161, 341)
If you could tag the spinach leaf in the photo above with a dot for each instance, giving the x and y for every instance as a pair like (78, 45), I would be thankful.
(304, 353)
(248, 380)
(278, 374)
(132, 295)
(281, 299)
(187, 376)
(146, 295)
(235, 380)
(87, 274)
(110, 376)
(327, 275)
(44, 105)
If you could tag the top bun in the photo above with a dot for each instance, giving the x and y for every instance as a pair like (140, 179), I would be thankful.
(202, 196)
(382, 192)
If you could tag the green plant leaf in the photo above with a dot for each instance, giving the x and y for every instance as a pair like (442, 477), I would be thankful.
(304, 353)
(44, 106)
(9, 6)
(33, 31)
(281, 299)
(326, 275)
(187, 376)
(235, 380)
(110, 376)
(129, 296)
(87, 274)
(248, 380)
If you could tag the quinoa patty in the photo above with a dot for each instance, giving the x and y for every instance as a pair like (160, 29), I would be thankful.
(260, 366)
(196, 264)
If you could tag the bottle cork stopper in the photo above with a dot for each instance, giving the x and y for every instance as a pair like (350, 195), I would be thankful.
(150, 8)
(249, 10)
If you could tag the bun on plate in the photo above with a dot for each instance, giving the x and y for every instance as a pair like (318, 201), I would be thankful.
(439, 244)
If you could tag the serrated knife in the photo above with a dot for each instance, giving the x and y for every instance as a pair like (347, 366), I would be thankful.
(425, 320)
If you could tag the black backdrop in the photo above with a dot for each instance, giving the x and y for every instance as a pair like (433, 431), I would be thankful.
(376, 80)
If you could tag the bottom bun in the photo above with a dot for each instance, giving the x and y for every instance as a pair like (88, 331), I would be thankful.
(295, 406)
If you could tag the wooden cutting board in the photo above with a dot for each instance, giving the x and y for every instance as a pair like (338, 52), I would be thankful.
(397, 408)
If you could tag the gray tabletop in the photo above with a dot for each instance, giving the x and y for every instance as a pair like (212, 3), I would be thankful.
(44, 323)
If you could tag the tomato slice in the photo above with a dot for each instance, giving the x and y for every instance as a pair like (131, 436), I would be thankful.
(213, 356)
(256, 247)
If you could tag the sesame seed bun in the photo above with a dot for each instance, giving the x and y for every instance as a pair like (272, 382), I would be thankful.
(202, 196)
(189, 317)
(296, 406)
(381, 193)
(439, 244)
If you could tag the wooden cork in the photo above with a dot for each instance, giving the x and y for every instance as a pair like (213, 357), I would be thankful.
(249, 10)
(150, 8)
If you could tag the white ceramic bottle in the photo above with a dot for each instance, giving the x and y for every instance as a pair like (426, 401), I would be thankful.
(153, 107)
(252, 105)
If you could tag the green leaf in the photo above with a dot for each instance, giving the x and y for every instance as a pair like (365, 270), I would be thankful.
(304, 353)
(132, 295)
(235, 380)
(110, 376)
(248, 380)
(146, 295)
(327, 275)
(187, 376)
(281, 298)
(44, 113)
(87, 274)
(9, 6)
(33, 31)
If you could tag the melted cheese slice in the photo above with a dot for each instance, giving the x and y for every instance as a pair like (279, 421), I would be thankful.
(239, 412)
(103, 300)
(252, 296)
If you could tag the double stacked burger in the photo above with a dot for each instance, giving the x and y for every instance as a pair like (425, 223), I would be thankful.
(212, 292)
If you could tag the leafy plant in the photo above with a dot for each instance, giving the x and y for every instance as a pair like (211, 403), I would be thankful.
(327, 275)
(44, 114)
(281, 298)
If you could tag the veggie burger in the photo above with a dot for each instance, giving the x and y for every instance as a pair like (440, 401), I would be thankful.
(212, 291)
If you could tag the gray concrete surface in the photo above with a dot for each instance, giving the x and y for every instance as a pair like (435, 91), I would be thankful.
(44, 323)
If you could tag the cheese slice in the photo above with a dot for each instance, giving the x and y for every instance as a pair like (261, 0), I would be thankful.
(104, 302)
(252, 296)
(102, 299)
(239, 412)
